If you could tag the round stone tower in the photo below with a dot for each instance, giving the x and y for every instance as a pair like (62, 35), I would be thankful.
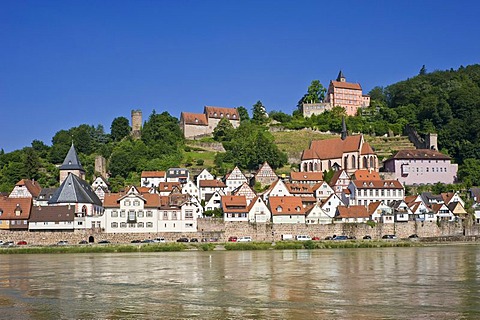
(136, 123)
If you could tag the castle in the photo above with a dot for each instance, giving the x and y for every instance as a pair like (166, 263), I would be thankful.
(202, 124)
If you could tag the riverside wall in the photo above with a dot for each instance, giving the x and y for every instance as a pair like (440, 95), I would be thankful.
(220, 230)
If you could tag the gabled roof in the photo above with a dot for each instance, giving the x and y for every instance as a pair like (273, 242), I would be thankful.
(75, 190)
(211, 184)
(377, 184)
(306, 176)
(46, 193)
(437, 206)
(52, 213)
(352, 212)
(9, 207)
(265, 171)
(236, 174)
(71, 161)
(254, 201)
(243, 190)
(234, 204)
(337, 175)
(168, 186)
(112, 200)
(424, 154)
(410, 199)
(335, 148)
(447, 196)
(32, 186)
(220, 112)
(365, 174)
(199, 119)
(346, 85)
(288, 205)
(153, 174)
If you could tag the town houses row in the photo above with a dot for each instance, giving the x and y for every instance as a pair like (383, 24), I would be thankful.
(173, 200)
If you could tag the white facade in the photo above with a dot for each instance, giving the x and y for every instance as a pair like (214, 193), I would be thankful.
(191, 189)
(204, 175)
(278, 189)
(323, 191)
(366, 192)
(215, 201)
(235, 179)
(258, 211)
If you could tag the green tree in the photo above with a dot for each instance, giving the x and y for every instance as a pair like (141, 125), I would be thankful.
(224, 130)
(469, 172)
(259, 113)
(243, 113)
(423, 71)
(31, 164)
(119, 128)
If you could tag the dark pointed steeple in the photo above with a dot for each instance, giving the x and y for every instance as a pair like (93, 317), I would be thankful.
(71, 161)
(344, 129)
(341, 77)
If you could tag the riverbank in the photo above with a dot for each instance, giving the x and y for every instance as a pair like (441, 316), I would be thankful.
(229, 246)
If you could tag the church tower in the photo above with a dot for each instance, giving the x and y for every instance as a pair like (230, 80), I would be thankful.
(71, 164)
(341, 77)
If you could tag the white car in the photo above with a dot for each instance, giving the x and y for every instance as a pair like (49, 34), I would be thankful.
(159, 240)
(245, 239)
(303, 237)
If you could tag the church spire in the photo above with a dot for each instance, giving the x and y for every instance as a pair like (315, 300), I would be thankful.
(341, 77)
(344, 129)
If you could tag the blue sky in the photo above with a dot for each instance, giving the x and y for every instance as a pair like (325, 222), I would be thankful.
(65, 63)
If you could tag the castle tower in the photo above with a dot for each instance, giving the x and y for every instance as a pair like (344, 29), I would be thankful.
(341, 77)
(71, 164)
(136, 123)
(431, 141)
(101, 166)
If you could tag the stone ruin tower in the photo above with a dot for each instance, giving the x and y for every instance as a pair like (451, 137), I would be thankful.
(136, 123)
(101, 166)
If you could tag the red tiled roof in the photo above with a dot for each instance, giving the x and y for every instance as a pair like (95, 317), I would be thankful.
(199, 119)
(220, 112)
(168, 186)
(352, 212)
(9, 206)
(32, 186)
(377, 184)
(332, 148)
(212, 184)
(410, 199)
(366, 149)
(372, 206)
(447, 196)
(346, 85)
(420, 154)
(289, 205)
(364, 174)
(153, 174)
(234, 204)
(297, 188)
(306, 176)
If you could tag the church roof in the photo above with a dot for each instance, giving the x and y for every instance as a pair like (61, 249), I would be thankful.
(71, 161)
(332, 148)
(75, 190)
(340, 76)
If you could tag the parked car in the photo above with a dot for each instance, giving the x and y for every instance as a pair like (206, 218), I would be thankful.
(330, 237)
(302, 237)
(83, 242)
(194, 240)
(389, 236)
(8, 243)
(62, 243)
(287, 237)
(21, 243)
(136, 241)
(367, 237)
(159, 240)
(315, 238)
(232, 239)
(413, 236)
(245, 239)
(339, 238)
(182, 240)
(103, 242)
(351, 237)
(147, 241)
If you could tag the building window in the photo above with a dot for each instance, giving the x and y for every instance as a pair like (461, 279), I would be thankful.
(131, 215)
(122, 213)
(114, 214)
(188, 214)
(149, 214)
(136, 203)
(123, 224)
(127, 202)
(149, 224)
(174, 215)
(165, 215)
(140, 214)
(140, 224)
(114, 225)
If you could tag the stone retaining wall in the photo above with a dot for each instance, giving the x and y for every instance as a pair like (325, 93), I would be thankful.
(217, 228)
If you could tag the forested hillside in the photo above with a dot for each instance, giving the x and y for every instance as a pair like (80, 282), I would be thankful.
(446, 102)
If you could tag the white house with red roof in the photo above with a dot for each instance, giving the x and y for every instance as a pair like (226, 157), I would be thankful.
(363, 192)
(339, 181)
(245, 190)
(152, 178)
(204, 175)
(352, 214)
(258, 211)
(234, 179)
(380, 212)
(310, 178)
(191, 188)
(209, 187)
(288, 209)
(265, 175)
(322, 190)
(235, 208)
(277, 189)
(215, 201)
(26, 188)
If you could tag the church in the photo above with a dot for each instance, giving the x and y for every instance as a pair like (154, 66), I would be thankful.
(347, 153)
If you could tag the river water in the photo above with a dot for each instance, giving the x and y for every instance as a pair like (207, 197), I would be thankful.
(440, 282)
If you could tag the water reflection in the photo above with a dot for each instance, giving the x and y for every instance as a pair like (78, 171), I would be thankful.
(383, 283)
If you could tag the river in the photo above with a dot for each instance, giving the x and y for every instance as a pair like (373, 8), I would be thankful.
(441, 282)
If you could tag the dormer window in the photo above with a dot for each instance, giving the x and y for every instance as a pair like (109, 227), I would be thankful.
(234, 116)
(228, 115)
(196, 120)
(279, 209)
(69, 162)
(214, 114)
(297, 209)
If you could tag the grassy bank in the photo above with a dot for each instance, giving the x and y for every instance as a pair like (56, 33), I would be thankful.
(166, 247)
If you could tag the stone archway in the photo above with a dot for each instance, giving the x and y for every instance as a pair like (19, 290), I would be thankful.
(91, 239)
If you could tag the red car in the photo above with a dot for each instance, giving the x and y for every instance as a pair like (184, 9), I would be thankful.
(232, 239)
(22, 243)
(316, 238)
